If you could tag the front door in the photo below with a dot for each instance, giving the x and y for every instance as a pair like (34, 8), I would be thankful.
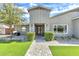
(39, 29)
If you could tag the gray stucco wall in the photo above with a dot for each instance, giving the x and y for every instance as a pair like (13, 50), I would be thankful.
(63, 19)
(42, 17)
(39, 16)
(76, 28)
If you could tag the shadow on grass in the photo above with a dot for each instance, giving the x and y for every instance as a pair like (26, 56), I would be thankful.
(10, 41)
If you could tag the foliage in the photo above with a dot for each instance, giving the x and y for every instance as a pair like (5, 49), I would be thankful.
(30, 36)
(10, 16)
(49, 36)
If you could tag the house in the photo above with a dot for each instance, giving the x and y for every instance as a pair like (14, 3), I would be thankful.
(4, 29)
(64, 24)
(39, 20)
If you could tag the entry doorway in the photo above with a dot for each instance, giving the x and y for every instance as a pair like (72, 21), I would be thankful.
(39, 29)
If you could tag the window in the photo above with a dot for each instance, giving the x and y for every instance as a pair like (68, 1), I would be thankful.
(60, 28)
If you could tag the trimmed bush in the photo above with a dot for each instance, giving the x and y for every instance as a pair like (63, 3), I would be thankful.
(49, 36)
(30, 36)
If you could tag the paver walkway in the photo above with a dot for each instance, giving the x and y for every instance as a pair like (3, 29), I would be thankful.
(38, 48)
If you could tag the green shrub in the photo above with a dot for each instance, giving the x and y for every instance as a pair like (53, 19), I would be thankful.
(49, 36)
(30, 36)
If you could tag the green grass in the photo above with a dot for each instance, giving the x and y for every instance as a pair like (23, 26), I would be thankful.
(14, 48)
(64, 50)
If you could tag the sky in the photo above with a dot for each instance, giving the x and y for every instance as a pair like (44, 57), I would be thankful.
(56, 8)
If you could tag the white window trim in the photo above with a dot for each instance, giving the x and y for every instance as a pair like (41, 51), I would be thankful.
(61, 25)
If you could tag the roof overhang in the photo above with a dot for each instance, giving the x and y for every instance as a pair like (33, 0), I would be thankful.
(72, 10)
(39, 7)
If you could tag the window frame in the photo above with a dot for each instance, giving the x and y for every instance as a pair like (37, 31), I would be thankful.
(61, 25)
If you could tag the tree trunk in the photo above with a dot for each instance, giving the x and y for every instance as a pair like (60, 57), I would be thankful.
(11, 30)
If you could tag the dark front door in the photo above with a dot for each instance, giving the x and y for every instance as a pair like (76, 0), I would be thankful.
(39, 29)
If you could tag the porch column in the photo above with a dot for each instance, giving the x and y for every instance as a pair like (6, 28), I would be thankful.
(33, 28)
(47, 27)
(29, 27)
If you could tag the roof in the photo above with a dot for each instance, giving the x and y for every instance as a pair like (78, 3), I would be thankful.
(3, 26)
(38, 7)
(77, 18)
(76, 9)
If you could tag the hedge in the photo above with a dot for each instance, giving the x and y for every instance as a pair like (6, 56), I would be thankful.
(49, 36)
(30, 36)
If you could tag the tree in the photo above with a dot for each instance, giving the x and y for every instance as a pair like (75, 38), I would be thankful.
(10, 15)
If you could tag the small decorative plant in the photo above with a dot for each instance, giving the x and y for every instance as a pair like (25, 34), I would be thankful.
(30, 36)
(49, 36)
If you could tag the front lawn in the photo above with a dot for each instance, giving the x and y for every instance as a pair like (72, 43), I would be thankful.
(64, 50)
(14, 48)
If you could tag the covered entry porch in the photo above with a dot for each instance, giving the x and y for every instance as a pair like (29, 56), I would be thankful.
(39, 28)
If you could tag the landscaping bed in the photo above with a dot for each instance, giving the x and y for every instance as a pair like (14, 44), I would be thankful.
(64, 50)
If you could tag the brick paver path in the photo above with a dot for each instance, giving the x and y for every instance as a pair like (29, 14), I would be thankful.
(39, 48)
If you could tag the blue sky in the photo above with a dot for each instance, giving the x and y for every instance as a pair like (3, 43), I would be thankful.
(55, 7)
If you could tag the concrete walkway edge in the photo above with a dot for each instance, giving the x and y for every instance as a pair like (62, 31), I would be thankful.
(29, 48)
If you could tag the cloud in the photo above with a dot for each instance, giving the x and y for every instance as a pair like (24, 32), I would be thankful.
(64, 9)
(32, 4)
(26, 15)
(73, 6)
(24, 9)
(56, 7)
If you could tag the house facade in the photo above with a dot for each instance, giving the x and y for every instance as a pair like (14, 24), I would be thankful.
(39, 20)
(64, 24)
